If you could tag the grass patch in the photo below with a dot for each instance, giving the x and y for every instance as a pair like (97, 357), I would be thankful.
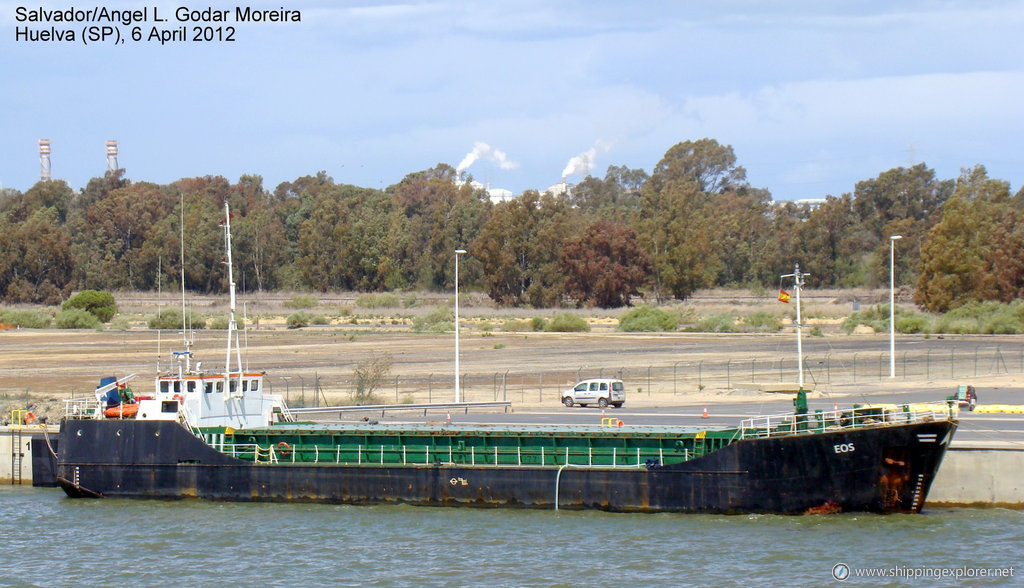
(386, 300)
(439, 320)
(762, 322)
(516, 326)
(77, 318)
(566, 322)
(26, 319)
(647, 319)
(302, 318)
(716, 323)
(302, 301)
(170, 319)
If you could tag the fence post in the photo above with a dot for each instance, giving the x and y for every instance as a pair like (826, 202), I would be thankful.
(728, 373)
(700, 374)
(540, 387)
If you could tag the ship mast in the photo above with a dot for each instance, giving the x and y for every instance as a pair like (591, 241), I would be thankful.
(798, 283)
(800, 402)
(232, 327)
(187, 354)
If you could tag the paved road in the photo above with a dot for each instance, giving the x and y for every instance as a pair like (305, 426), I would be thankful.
(974, 427)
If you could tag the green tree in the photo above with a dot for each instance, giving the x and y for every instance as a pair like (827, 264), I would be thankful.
(99, 303)
(901, 201)
(519, 247)
(36, 265)
(956, 256)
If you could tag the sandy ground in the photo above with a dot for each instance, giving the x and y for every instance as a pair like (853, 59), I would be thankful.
(314, 366)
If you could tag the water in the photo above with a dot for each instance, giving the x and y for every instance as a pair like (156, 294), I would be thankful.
(47, 539)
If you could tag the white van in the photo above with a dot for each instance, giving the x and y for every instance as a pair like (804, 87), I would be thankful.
(599, 391)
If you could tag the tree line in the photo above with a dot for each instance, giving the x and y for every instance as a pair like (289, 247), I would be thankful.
(693, 222)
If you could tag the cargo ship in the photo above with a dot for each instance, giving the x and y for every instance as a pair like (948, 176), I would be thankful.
(218, 436)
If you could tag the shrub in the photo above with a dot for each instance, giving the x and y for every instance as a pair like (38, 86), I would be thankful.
(370, 375)
(716, 323)
(302, 301)
(912, 323)
(763, 322)
(440, 319)
(566, 322)
(26, 319)
(515, 326)
(171, 319)
(378, 301)
(297, 320)
(645, 318)
(77, 318)
(219, 322)
(538, 323)
(98, 302)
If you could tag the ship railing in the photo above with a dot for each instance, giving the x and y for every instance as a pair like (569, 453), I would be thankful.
(85, 407)
(187, 418)
(858, 417)
(423, 455)
(277, 401)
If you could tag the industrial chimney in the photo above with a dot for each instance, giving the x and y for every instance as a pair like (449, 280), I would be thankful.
(111, 156)
(44, 159)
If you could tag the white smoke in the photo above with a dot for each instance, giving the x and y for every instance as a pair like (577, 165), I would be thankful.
(584, 162)
(483, 150)
(581, 163)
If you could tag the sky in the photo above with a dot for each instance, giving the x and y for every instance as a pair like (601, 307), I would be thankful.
(813, 96)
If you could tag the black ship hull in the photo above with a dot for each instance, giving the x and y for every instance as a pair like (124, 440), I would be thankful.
(874, 469)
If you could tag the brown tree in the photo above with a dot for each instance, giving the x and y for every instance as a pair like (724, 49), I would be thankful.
(605, 266)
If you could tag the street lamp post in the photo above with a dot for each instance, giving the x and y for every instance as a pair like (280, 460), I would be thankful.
(892, 304)
(458, 252)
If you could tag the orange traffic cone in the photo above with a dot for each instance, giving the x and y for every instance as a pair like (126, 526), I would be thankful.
(448, 417)
(704, 415)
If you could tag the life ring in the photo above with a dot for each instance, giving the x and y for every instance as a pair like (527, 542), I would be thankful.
(29, 418)
(178, 398)
(284, 449)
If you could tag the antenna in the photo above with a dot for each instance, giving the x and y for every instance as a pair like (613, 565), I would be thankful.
(44, 159)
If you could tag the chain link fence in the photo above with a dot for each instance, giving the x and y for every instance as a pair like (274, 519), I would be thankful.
(756, 372)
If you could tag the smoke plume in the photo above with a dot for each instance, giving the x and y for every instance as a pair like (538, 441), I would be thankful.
(484, 151)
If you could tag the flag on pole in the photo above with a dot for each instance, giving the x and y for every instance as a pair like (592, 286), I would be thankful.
(783, 296)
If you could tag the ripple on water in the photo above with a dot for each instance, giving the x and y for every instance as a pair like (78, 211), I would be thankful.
(51, 540)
